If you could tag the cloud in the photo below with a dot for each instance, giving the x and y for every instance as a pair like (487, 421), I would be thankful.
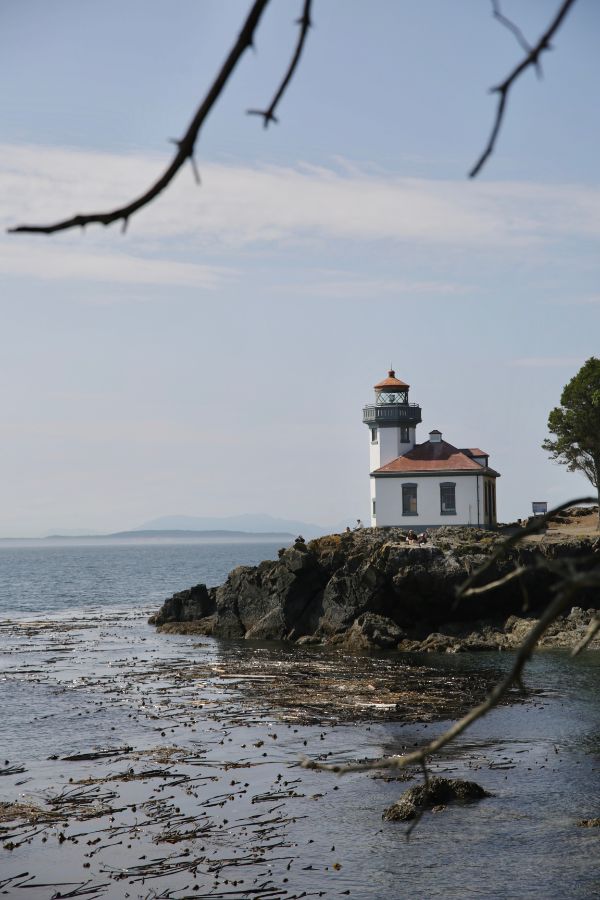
(342, 285)
(57, 262)
(240, 207)
(585, 301)
(546, 362)
(249, 204)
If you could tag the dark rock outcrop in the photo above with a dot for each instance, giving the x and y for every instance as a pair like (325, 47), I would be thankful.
(372, 589)
(437, 792)
(471, 637)
(196, 603)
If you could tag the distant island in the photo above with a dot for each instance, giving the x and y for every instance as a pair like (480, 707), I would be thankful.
(159, 536)
(245, 522)
(245, 527)
(177, 533)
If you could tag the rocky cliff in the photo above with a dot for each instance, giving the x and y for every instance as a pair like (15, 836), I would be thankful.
(373, 588)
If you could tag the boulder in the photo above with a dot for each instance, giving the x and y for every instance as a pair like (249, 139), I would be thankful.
(196, 603)
(436, 792)
(195, 626)
(371, 632)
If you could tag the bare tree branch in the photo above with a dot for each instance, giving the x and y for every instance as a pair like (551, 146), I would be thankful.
(185, 146)
(268, 115)
(502, 89)
(592, 630)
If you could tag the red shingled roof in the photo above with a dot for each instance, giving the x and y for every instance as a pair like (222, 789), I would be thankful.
(391, 382)
(438, 456)
(475, 451)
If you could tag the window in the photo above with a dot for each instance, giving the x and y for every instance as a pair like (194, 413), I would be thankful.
(373, 435)
(409, 500)
(448, 498)
(404, 435)
(489, 497)
(490, 501)
(393, 397)
(373, 507)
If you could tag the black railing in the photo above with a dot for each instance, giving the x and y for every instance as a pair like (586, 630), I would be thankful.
(392, 413)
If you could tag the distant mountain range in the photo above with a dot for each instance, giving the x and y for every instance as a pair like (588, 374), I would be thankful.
(175, 534)
(248, 525)
(248, 522)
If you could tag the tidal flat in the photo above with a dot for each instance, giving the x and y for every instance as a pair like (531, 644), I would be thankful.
(144, 765)
(149, 765)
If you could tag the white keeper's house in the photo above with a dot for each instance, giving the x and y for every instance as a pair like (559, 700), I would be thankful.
(423, 485)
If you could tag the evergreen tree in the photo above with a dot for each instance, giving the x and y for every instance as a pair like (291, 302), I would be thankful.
(576, 424)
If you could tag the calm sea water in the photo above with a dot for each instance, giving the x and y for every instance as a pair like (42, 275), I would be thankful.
(43, 578)
(88, 687)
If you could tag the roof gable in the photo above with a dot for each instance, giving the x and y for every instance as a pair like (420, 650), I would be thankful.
(437, 456)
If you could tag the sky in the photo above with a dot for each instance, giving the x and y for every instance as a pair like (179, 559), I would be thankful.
(215, 359)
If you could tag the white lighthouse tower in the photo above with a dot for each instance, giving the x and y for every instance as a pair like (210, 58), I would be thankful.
(392, 422)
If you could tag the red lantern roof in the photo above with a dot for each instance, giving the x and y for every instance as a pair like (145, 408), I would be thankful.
(391, 382)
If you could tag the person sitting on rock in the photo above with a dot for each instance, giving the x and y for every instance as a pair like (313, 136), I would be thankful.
(358, 525)
(411, 536)
(423, 538)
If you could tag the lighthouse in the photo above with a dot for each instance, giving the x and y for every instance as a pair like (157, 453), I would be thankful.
(422, 485)
(392, 422)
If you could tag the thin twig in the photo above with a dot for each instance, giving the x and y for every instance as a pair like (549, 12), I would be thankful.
(421, 810)
(531, 59)
(492, 585)
(514, 29)
(268, 115)
(535, 525)
(185, 146)
(592, 629)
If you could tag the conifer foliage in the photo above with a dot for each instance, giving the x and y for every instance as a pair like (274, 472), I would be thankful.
(576, 424)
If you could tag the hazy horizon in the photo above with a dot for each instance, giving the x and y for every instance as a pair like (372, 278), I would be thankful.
(245, 523)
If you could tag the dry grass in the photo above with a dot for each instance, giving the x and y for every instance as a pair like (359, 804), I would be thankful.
(570, 527)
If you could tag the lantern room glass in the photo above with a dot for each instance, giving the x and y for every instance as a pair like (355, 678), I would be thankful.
(392, 397)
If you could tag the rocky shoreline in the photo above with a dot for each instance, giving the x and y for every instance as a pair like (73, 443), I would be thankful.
(374, 589)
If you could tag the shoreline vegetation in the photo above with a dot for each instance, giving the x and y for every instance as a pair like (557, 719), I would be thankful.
(373, 589)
